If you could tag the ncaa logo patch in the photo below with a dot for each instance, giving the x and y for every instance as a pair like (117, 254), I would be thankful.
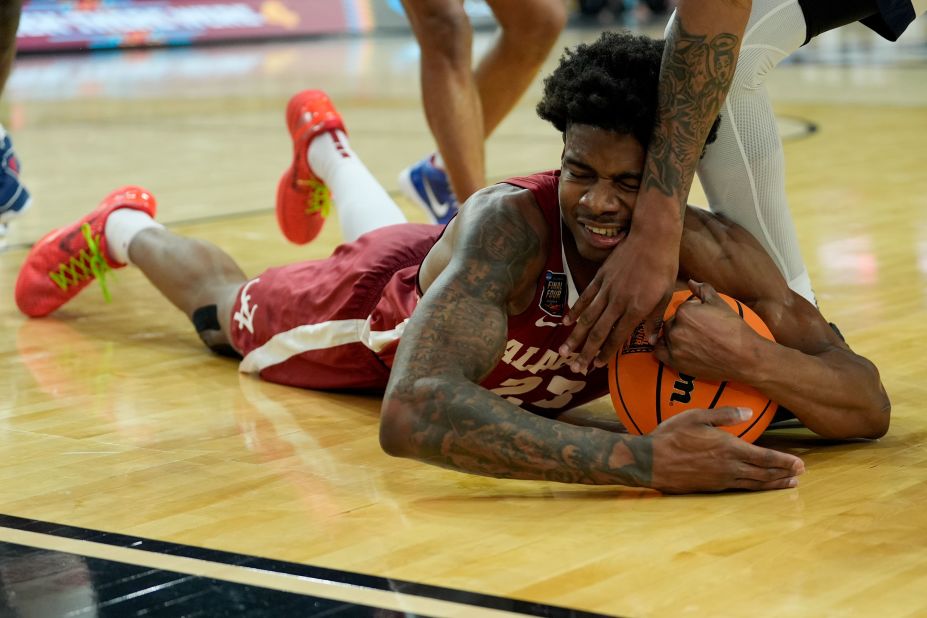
(554, 294)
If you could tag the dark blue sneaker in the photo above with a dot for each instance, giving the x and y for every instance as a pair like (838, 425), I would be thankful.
(14, 198)
(429, 187)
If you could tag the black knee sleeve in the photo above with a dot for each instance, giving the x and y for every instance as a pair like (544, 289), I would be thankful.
(206, 322)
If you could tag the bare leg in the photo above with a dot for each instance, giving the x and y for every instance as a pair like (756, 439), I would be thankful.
(10, 11)
(191, 274)
(462, 106)
(530, 30)
(449, 91)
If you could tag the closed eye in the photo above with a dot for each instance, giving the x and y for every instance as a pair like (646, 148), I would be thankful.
(578, 174)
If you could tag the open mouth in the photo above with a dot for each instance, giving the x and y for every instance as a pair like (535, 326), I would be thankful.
(608, 232)
(602, 237)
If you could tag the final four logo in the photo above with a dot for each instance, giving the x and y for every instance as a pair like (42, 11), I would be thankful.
(554, 294)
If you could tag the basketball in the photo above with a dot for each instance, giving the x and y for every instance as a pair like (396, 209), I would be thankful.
(645, 392)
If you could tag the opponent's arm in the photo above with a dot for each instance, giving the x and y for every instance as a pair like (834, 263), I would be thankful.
(435, 411)
(808, 369)
(636, 281)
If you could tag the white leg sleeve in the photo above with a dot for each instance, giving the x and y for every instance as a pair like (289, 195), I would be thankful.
(363, 204)
(743, 171)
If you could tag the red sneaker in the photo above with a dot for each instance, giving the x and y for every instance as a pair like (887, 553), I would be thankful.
(303, 201)
(65, 260)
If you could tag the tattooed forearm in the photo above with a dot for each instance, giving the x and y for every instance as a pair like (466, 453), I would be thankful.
(434, 408)
(461, 426)
(694, 79)
(492, 437)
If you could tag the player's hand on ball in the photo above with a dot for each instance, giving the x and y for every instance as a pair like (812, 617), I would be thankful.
(633, 285)
(690, 454)
(706, 338)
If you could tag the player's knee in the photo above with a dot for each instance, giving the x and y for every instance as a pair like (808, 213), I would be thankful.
(752, 71)
(537, 31)
(445, 32)
(547, 24)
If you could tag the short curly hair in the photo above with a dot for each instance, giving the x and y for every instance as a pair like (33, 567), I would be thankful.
(610, 84)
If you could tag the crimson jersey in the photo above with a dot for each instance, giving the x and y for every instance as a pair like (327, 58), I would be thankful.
(335, 323)
(532, 373)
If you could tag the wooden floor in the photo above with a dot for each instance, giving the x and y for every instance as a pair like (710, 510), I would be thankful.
(114, 418)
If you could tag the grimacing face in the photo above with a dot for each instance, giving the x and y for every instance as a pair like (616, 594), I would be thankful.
(600, 176)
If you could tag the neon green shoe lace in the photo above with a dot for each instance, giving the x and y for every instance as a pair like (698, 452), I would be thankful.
(320, 198)
(88, 264)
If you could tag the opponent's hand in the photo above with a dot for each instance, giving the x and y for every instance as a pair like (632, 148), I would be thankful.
(690, 454)
(633, 285)
(706, 338)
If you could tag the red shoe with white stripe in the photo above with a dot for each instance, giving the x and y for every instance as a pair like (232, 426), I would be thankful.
(303, 200)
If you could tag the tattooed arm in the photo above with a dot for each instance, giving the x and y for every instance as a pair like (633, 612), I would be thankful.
(435, 411)
(809, 369)
(636, 281)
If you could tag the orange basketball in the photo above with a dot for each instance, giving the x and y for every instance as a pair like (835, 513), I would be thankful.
(645, 392)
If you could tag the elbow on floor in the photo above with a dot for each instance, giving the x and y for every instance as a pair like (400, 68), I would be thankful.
(395, 434)
(868, 424)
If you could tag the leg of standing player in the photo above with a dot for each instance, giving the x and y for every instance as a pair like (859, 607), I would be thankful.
(529, 31)
(743, 172)
(10, 11)
(462, 105)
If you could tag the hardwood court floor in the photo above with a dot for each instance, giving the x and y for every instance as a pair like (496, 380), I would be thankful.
(114, 419)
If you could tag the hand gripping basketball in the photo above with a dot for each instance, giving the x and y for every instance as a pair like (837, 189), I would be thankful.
(694, 365)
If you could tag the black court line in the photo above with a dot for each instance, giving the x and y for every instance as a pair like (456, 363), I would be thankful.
(323, 574)
(55, 583)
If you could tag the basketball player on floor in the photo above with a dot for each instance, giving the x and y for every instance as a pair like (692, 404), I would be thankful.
(475, 383)
(743, 172)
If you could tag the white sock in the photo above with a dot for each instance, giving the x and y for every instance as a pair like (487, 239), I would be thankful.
(743, 171)
(363, 205)
(121, 227)
(438, 161)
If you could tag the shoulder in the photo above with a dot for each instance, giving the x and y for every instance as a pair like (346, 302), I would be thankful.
(504, 201)
(716, 250)
(500, 226)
